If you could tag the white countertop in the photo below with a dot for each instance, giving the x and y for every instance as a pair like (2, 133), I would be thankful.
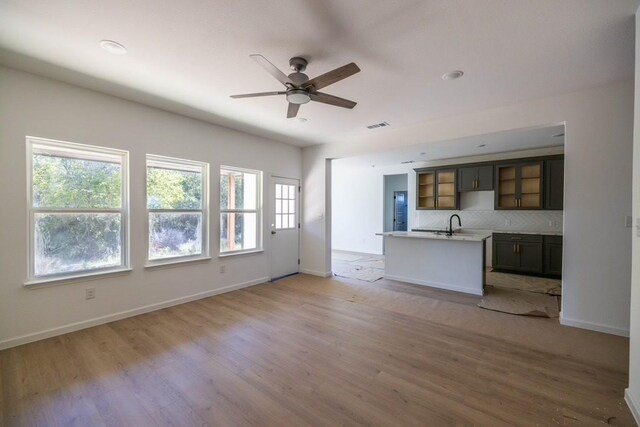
(484, 231)
(470, 237)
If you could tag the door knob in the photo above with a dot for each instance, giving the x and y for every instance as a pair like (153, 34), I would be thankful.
(273, 232)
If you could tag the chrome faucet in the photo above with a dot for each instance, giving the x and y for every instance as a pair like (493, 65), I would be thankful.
(450, 231)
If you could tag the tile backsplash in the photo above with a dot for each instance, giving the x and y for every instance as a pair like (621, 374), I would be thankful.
(477, 212)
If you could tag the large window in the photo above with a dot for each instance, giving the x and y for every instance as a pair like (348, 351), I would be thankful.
(240, 210)
(78, 209)
(177, 209)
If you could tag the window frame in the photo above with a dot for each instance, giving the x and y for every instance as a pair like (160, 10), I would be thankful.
(87, 152)
(258, 211)
(204, 210)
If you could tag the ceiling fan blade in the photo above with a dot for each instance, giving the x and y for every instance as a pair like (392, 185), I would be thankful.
(332, 100)
(253, 95)
(272, 69)
(333, 76)
(292, 111)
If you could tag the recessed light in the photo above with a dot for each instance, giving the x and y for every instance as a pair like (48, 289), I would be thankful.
(558, 135)
(113, 47)
(423, 153)
(481, 145)
(373, 166)
(302, 119)
(452, 75)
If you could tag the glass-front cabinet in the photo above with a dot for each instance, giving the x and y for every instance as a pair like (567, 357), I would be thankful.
(437, 189)
(519, 186)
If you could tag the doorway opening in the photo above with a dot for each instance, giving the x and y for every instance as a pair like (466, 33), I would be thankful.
(396, 199)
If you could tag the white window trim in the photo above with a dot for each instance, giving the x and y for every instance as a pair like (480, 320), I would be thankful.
(63, 147)
(186, 165)
(258, 210)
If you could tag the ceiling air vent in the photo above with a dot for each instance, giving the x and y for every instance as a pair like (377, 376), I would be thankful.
(407, 162)
(378, 125)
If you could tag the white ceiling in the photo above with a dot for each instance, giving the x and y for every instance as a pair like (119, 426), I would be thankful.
(471, 147)
(189, 56)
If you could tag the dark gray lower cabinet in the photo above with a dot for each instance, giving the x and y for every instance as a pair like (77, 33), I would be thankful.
(527, 253)
(553, 255)
(505, 256)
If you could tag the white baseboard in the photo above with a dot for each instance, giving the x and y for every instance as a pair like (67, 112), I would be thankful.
(36, 336)
(434, 285)
(316, 273)
(592, 326)
(633, 404)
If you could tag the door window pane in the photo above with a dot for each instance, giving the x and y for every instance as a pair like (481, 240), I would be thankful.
(285, 206)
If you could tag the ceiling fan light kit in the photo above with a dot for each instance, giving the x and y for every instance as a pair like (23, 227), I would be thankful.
(299, 89)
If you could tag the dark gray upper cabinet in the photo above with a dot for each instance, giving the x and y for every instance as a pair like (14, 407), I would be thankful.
(519, 185)
(437, 189)
(475, 178)
(554, 184)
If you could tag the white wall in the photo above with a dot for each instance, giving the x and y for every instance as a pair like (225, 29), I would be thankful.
(35, 106)
(598, 167)
(633, 392)
(358, 205)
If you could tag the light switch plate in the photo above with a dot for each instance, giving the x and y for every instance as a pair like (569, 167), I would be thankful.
(628, 221)
(638, 226)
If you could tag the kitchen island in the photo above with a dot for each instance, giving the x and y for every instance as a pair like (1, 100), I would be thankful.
(455, 263)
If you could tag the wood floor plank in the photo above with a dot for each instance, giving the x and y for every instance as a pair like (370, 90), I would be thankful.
(320, 352)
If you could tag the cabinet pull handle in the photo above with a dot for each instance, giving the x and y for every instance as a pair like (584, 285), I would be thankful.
(515, 202)
(475, 183)
(518, 247)
(514, 249)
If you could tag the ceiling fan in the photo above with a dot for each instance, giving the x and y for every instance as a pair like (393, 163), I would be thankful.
(299, 89)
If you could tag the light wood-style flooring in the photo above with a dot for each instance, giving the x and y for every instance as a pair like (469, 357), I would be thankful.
(321, 352)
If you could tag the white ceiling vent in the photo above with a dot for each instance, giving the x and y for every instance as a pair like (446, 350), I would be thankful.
(378, 125)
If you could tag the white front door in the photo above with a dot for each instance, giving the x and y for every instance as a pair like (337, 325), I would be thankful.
(285, 203)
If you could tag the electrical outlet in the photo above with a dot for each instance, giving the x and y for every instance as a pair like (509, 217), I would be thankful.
(222, 268)
(552, 224)
(507, 222)
(90, 293)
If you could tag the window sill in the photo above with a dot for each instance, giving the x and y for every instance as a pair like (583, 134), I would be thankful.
(175, 262)
(250, 251)
(37, 283)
